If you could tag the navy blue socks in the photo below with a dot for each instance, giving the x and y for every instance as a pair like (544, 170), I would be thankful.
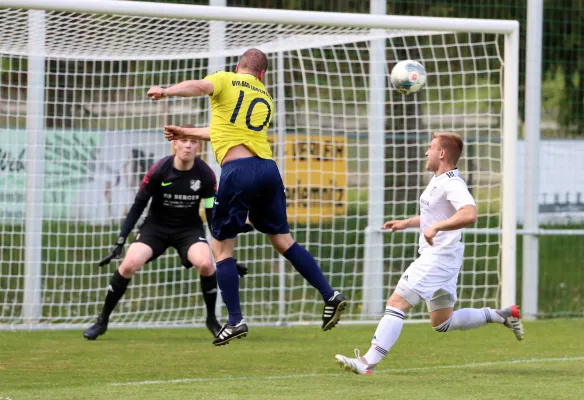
(304, 263)
(228, 282)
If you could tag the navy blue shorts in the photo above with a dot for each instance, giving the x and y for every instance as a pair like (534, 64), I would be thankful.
(249, 186)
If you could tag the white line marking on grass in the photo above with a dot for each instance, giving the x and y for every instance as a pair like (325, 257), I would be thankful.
(383, 371)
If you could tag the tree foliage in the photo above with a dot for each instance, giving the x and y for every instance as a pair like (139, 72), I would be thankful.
(563, 50)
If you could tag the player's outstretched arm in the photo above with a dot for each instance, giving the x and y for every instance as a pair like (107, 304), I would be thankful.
(172, 132)
(400, 225)
(192, 88)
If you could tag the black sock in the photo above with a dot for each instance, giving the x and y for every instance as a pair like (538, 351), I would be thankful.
(209, 289)
(115, 291)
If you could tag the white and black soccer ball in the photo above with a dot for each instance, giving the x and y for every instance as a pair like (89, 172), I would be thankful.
(408, 76)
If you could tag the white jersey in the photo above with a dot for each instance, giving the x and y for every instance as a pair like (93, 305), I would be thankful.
(444, 195)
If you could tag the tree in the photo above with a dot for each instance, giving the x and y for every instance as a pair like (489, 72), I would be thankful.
(563, 53)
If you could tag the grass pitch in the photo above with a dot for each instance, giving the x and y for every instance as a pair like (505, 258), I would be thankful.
(294, 363)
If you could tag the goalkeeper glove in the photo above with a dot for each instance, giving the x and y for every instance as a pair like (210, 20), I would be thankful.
(115, 252)
(241, 269)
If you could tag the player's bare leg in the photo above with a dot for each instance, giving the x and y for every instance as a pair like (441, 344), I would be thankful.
(447, 320)
(438, 317)
(137, 255)
(305, 264)
(199, 256)
(228, 282)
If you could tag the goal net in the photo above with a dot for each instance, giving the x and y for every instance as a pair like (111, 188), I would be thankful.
(77, 133)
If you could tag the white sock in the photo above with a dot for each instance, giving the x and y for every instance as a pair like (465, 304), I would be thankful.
(469, 318)
(386, 334)
(493, 316)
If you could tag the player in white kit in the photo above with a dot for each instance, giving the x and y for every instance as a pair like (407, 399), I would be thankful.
(446, 206)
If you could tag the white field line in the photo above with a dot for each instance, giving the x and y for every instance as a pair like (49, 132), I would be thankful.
(384, 371)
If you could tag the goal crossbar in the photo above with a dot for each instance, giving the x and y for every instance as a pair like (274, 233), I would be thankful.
(286, 42)
(163, 10)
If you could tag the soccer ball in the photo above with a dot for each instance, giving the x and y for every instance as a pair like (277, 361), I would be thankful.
(408, 76)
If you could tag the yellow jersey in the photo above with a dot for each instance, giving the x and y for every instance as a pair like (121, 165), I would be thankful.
(241, 112)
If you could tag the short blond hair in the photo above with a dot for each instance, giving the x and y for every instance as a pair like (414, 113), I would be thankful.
(451, 143)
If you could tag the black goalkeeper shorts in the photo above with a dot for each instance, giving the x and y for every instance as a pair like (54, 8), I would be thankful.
(160, 238)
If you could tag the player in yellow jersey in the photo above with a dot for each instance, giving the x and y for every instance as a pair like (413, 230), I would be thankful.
(250, 182)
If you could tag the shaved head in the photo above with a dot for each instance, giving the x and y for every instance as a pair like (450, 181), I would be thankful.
(254, 61)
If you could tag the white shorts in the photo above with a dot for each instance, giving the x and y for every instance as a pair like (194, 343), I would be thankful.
(433, 278)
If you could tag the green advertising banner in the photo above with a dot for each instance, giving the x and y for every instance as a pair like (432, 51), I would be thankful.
(88, 175)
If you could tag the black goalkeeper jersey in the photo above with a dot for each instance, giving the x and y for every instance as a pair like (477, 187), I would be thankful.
(176, 195)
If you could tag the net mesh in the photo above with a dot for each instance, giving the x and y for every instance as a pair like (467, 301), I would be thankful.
(102, 133)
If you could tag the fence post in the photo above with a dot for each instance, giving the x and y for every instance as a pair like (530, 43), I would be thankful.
(533, 62)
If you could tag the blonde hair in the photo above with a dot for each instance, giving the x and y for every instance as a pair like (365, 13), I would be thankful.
(451, 143)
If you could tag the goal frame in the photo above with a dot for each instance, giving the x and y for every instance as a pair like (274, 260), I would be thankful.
(373, 302)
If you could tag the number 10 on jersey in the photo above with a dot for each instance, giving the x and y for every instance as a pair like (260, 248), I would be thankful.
(249, 113)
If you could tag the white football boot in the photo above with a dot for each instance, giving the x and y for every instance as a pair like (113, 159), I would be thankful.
(512, 320)
(357, 365)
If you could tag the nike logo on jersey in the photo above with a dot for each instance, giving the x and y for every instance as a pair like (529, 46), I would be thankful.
(202, 239)
(166, 183)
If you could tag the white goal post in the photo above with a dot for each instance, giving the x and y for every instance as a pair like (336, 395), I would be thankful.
(74, 114)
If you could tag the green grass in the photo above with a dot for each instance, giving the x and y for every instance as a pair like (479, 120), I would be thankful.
(561, 275)
(341, 251)
(294, 363)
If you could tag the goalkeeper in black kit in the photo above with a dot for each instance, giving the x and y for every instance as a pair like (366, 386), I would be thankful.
(176, 184)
